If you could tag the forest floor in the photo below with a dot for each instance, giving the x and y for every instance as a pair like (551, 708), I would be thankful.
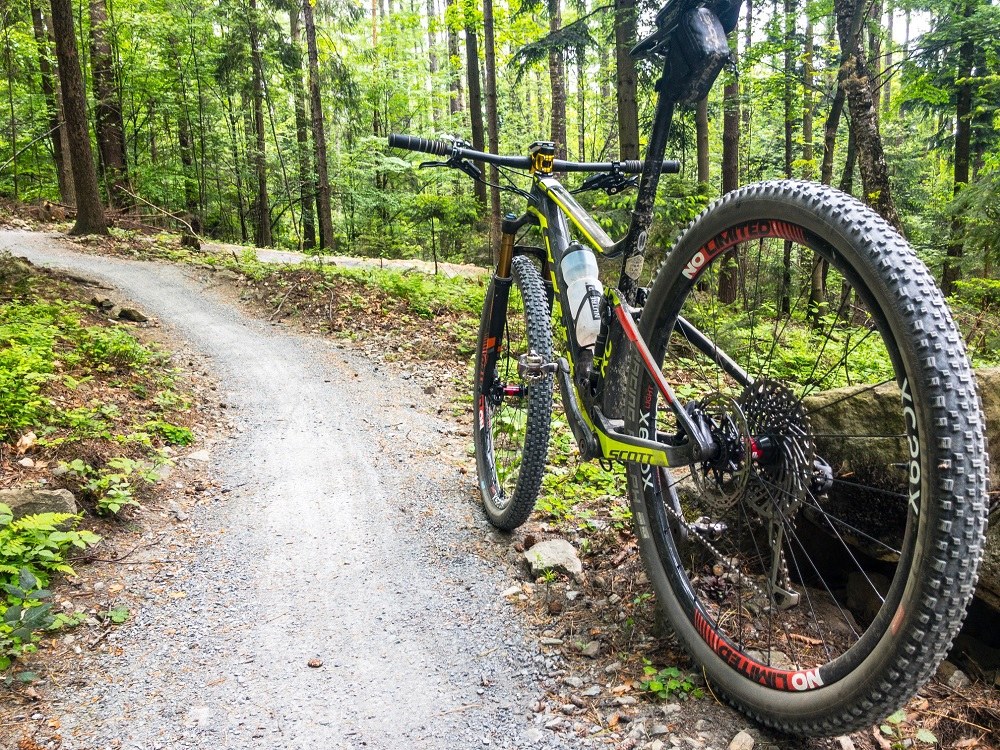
(334, 583)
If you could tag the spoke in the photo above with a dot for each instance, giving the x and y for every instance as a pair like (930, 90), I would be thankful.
(843, 360)
(848, 396)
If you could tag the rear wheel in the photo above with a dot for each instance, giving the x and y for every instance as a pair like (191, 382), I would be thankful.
(819, 565)
(512, 405)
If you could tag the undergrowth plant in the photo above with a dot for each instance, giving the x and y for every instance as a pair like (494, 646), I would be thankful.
(32, 549)
(668, 682)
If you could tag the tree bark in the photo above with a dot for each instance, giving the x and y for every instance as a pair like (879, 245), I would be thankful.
(887, 83)
(53, 103)
(952, 271)
(864, 120)
(307, 187)
(557, 81)
(262, 205)
(729, 273)
(108, 123)
(456, 103)
(89, 211)
(324, 214)
(701, 138)
(491, 117)
(475, 100)
(625, 89)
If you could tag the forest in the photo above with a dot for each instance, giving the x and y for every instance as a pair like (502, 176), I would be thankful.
(265, 121)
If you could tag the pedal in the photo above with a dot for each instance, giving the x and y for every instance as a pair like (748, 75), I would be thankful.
(533, 367)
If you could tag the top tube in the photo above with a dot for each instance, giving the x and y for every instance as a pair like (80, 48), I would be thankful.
(445, 148)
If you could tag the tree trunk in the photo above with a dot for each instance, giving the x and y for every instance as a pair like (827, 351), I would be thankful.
(887, 83)
(53, 103)
(455, 101)
(89, 211)
(324, 214)
(108, 122)
(557, 81)
(701, 138)
(432, 60)
(963, 143)
(581, 103)
(808, 151)
(187, 164)
(475, 100)
(491, 118)
(729, 273)
(625, 89)
(262, 205)
(307, 188)
(864, 122)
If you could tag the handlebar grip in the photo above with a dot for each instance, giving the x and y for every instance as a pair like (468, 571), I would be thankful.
(634, 166)
(438, 148)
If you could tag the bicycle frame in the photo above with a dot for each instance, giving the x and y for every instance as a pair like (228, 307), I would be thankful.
(552, 208)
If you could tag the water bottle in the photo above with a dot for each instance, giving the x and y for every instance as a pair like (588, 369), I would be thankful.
(583, 291)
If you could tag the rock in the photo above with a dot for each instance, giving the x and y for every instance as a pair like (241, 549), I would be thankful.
(574, 682)
(626, 700)
(845, 742)
(554, 554)
(28, 502)
(592, 649)
(551, 641)
(202, 455)
(592, 692)
(862, 601)
(131, 315)
(658, 730)
(880, 406)
(671, 708)
(741, 741)
(102, 303)
(952, 676)
(27, 463)
(229, 274)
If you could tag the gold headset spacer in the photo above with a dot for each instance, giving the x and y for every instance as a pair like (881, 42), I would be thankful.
(543, 156)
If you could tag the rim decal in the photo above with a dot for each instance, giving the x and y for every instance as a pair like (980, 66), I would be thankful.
(777, 679)
(750, 231)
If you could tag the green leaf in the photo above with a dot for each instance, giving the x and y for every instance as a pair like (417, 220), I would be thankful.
(897, 718)
(4, 662)
(926, 735)
(118, 615)
(27, 677)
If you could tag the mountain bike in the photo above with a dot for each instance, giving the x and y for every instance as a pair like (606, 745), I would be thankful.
(790, 398)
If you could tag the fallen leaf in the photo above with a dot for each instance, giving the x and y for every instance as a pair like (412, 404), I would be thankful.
(177, 594)
(882, 742)
(25, 442)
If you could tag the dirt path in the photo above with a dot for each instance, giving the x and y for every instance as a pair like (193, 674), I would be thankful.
(267, 255)
(346, 537)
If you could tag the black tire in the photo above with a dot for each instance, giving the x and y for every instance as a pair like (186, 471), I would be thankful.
(511, 430)
(881, 546)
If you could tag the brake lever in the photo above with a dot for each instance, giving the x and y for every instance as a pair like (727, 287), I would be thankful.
(460, 164)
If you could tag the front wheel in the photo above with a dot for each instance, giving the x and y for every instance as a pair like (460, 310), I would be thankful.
(818, 565)
(512, 405)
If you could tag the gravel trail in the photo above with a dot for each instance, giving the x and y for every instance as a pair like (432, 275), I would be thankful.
(345, 537)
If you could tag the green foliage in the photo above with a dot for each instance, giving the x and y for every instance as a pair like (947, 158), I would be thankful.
(902, 733)
(668, 683)
(39, 543)
(115, 485)
(33, 548)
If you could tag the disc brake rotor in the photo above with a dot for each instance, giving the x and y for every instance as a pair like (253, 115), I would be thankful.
(722, 480)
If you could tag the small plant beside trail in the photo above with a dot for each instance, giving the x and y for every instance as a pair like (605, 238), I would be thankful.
(85, 406)
(32, 549)
(79, 392)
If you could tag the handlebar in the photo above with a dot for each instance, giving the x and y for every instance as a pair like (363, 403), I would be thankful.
(445, 148)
